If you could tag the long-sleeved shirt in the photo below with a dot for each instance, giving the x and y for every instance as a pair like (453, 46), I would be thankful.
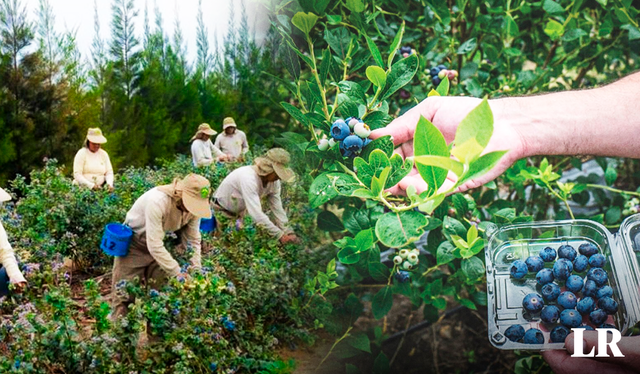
(91, 168)
(155, 213)
(203, 151)
(8, 258)
(242, 190)
(234, 145)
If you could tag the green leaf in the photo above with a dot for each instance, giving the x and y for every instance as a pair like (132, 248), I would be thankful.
(612, 215)
(325, 65)
(472, 234)
(398, 229)
(468, 304)
(510, 26)
(505, 215)
(439, 303)
(552, 7)
(304, 21)
(377, 76)
(441, 10)
(573, 34)
(467, 47)
(433, 93)
(334, 19)
(361, 342)
(402, 72)
(295, 113)
(328, 221)
(375, 52)
(377, 119)
(473, 133)
(473, 268)
(432, 203)
(344, 184)
(443, 87)
(634, 32)
(356, 6)
(355, 220)
(321, 191)
(353, 90)
(364, 193)
(378, 183)
(349, 255)
(381, 364)
(452, 226)
(444, 163)
(554, 29)
(378, 271)
(399, 169)
(428, 141)
(378, 161)
(444, 255)
(382, 302)
(393, 48)
(383, 143)
(610, 175)
(339, 40)
(481, 166)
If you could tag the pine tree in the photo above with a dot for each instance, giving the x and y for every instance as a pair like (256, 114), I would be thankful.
(204, 58)
(124, 43)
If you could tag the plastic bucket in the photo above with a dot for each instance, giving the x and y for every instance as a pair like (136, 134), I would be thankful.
(116, 239)
(4, 281)
(208, 224)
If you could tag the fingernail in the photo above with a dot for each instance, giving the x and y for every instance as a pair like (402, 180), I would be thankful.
(391, 137)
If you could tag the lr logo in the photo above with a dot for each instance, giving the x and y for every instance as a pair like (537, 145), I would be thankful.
(602, 343)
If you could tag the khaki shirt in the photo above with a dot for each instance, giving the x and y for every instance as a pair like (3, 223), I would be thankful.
(91, 168)
(156, 213)
(234, 145)
(203, 151)
(8, 258)
(242, 190)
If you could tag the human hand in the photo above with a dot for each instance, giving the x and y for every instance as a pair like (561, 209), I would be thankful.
(289, 238)
(18, 287)
(446, 113)
(561, 361)
(110, 188)
(95, 187)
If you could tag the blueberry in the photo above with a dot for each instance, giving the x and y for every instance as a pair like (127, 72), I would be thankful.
(544, 276)
(598, 316)
(548, 254)
(562, 269)
(436, 81)
(533, 336)
(340, 130)
(567, 300)
(559, 334)
(352, 122)
(587, 327)
(362, 130)
(518, 269)
(568, 252)
(574, 283)
(514, 333)
(434, 72)
(588, 249)
(441, 67)
(213, 366)
(550, 291)
(353, 143)
(597, 275)
(586, 305)
(607, 326)
(534, 264)
(366, 142)
(533, 302)
(405, 49)
(597, 261)
(402, 276)
(590, 288)
(550, 314)
(570, 318)
(605, 291)
(609, 305)
(581, 263)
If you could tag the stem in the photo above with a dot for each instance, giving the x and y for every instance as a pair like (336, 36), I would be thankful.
(325, 107)
(623, 192)
(566, 203)
(434, 267)
(346, 334)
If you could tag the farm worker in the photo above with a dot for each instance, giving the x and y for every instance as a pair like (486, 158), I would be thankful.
(8, 261)
(240, 192)
(174, 207)
(603, 121)
(91, 166)
(232, 141)
(202, 150)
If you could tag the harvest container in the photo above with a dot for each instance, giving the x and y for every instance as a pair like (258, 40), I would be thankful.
(116, 239)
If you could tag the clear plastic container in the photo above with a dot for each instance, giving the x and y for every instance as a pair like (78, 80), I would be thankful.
(519, 241)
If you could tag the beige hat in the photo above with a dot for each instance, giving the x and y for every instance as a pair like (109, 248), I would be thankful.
(228, 122)
(204, 128)
(275, 160)
(94, 135)
(195, 194)
(4, 195)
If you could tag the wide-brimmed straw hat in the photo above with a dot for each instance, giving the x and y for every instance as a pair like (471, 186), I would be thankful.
(204, 128)
(195, 194)
(275, 160)
(4, 195)
(228, 122)
(94, 135)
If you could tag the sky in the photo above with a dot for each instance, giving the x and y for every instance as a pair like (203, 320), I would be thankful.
(79, 15)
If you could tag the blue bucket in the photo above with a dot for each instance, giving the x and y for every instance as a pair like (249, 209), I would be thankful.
(208, 224)
(116, 239)
(4, 281)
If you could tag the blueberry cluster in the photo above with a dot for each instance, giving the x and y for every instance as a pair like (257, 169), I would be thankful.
(407, 259)
(406, 51)
(632, 206)
(352, 134)
(439, 72)
(584, 295)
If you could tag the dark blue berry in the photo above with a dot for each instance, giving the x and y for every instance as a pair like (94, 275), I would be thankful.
(562, 269)
(534, 264)
(548, 254)
(587, 327)
(574, 283)
(340, 130)
(434, 72)
(403, 276)
(597, 317)
(533, 302)
(436, 81)
(559, 334)
(544, 276)
(590, 288)
(405, 49)
(570, 318)
(609, 305)
(567, 300)
(550, 314)
(518, 269)
(588, 249)
(514, 333)
(550, 291)
(353, 143)
(605, 291)
(597, 261)
(213, 366)
(581, 263)
(533, 336)
(442, 67)
(598, 275)
(568, 252)
(586, 305)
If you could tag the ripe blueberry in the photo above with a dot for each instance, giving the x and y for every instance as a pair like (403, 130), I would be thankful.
(352, 143)
(580, 263)
(570, 318)
(402, 276)
(598, 316)
(605, 291)
(436, 81)
(514, 333)
(366, 142)
(434, 72)
(548, 254)
(567, 300)
(598, 275)
(562, 269)
(533, 302)
(544, 276)
(568, 252)
(574, 283)
(518, 269)
(405, 49)
(550, 291)
(550, 314)
(587, 327)
(609, 305)
(588, 249)
(586, 305)
(559, 334)
(590, 288)
(534, 263)
(441, 67)
(340, 130)
(597, 261)
(533, 336)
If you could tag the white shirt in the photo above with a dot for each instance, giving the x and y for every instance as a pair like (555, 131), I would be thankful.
(155, 213)
(242, 190)
(202, 152)
(91, 168)
(234, 145)
(8, 258)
